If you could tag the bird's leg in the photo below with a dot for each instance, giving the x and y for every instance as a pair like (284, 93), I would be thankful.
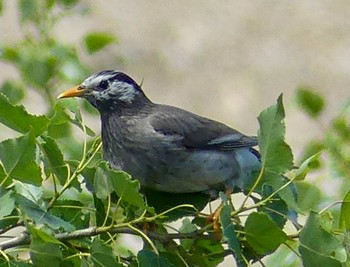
(215, 216)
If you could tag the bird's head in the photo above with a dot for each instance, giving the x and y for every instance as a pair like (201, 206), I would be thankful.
(109, 90)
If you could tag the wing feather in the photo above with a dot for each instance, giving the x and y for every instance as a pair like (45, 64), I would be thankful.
(198, 132)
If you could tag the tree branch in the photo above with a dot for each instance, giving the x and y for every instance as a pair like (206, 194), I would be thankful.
(24, 237)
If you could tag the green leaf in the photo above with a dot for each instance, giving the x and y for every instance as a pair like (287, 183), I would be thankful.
(37, 64)
(205, 253)
(342, 127)
(314, 147)
(102, 254)
(301, 172)
(40, 235)
(344, 221)
(288, 194)
(96, 41)
(61, 116)
(276, 209)
(263, 234)
(311, 196)
(18, 119)
(43, 253)
(13, 263)
(7, 203)
(319, 247)
(124, 186)
(67, 3)
(102, 184)
(276, 155)
(162, 201)
(187, 227)
(310, 101)
(229, 234)
(71, 211)
(28, 10)
(148, 258)
(55, 159)
(40, 216)
(13, 90)
(1, 6)
(18, 159)
(9, 53)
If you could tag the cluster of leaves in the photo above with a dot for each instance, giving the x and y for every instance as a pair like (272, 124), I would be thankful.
(62, 204)
(65, 223)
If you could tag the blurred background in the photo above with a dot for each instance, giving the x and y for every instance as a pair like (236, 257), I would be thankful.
(227, 60)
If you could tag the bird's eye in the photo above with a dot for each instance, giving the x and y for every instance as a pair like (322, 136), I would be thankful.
(103, 85)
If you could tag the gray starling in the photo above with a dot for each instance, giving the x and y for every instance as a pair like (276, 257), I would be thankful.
(166, 148)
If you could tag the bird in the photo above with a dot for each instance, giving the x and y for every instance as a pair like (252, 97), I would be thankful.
(166, 148)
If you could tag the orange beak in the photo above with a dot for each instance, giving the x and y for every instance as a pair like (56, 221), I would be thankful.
(75, 91)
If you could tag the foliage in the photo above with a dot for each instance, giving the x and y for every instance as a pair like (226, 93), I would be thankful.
(70, 209)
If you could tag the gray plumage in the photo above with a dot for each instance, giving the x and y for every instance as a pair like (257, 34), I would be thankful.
(164, 147)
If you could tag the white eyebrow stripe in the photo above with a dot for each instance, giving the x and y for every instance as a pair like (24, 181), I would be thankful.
(96, 79)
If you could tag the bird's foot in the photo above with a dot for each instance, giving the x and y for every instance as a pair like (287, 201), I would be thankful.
(214, 217)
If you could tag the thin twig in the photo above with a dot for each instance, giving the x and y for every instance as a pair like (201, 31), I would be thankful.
(24, 237)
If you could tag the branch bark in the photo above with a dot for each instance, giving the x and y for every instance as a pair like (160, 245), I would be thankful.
(24, 237)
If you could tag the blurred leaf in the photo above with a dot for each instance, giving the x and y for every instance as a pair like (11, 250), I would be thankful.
(310, 196)
(1, 6)
(14, 91)
(28, 10)
(9, 53)
(40, 216)
(283, 257)
(263, 234)
(305, 167)
(276, 155)
(123, 185)
(342, 127)
(312, 148)
(344, 221)
(95, 41)
(18, 158)
(38, 67)
(310, 101)
(148, 258)
(102, 254)
(18, 119)
(7, 203)
(49, 4)
(67, 2)
(229, 233)
(319, 247)
(54, 155)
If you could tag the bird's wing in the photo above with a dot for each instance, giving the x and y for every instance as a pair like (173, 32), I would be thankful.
(198, 132)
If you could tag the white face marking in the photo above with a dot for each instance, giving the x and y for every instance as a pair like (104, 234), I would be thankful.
(125, 91)
(119, 90)
(95, 80)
